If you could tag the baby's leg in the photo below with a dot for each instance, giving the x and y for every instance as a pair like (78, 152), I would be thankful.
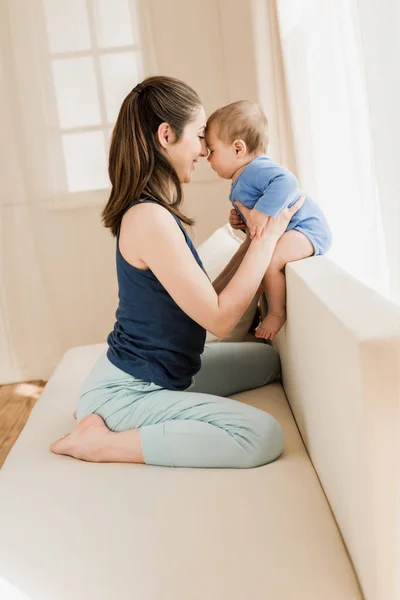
(292, 246)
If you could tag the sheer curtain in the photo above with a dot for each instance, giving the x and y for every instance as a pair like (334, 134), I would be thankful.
(64, 67)
(342, 73)
(341, 68)
(272, 92)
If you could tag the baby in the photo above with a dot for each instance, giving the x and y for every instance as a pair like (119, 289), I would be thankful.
(237, 140)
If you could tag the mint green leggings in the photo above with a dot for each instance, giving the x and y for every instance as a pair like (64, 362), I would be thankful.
(197, 427)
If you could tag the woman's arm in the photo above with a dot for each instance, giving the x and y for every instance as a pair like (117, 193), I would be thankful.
(150, 237)
(222, 280)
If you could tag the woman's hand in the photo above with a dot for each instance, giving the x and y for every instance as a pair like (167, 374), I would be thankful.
(236, 221)
(275, 227)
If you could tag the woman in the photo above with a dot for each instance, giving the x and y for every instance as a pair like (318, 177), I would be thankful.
(150, 399)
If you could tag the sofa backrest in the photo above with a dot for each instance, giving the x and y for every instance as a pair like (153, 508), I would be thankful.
(340, 351)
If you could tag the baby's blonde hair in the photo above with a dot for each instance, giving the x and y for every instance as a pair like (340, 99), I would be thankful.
(244, 120)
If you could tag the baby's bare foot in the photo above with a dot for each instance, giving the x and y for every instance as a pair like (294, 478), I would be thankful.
(86, 441)
(270, 326)
(74, 414)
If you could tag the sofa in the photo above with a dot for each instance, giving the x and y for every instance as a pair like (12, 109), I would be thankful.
(320, 523)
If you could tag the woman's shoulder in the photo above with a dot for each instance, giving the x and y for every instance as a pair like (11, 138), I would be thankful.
(147, 223)
(145, 228)
(147, 216)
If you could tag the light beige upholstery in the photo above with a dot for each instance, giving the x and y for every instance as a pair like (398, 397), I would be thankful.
(340, 352)
(70, 529)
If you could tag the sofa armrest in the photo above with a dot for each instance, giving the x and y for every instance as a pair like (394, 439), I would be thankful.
(340, 352)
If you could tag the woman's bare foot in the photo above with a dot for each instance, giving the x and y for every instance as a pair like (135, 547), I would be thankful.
(86, 441)
(269, 327)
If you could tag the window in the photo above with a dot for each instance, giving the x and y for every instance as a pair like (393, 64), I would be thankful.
(95, 60)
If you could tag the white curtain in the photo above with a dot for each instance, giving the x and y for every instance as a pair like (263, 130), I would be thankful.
(64, 68)
(342, 72)
(272, 92)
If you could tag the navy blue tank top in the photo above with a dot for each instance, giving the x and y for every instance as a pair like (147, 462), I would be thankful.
(153, 339)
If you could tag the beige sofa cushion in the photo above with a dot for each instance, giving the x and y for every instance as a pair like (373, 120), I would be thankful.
(71, 529)
(340, 351)
(215, 253)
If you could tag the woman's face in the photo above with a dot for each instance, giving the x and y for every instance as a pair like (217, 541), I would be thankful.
(185, 153)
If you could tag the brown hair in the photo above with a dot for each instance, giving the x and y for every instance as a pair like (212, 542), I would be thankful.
(244, 120)
(137, 167)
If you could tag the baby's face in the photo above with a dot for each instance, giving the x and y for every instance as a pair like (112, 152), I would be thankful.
(221, 156)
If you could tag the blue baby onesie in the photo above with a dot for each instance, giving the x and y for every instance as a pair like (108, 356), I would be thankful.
(269, 188)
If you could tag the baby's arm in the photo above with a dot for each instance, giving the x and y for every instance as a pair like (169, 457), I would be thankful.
(281, 191)
(278, 188)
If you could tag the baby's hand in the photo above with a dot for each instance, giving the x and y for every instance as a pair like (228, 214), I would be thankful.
(235, 220)
(256, 221)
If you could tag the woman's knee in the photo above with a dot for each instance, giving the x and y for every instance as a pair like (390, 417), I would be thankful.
(267, 442)
(269, 365)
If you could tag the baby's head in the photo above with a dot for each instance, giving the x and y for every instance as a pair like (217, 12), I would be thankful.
(236, 134)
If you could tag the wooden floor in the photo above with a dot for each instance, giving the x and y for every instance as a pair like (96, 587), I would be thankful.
(16, 403)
